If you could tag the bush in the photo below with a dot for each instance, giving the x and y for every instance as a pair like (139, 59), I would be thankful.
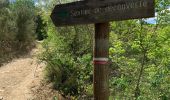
(41, 28)
(17, 34)
(68, 60)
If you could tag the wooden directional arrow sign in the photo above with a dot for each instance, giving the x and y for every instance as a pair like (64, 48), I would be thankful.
(86, 12)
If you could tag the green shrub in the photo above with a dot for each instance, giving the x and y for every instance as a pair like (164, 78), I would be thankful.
(68, 60)
(17, 33)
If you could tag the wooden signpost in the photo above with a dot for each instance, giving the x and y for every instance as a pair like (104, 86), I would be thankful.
(86, 12)
(101, 12)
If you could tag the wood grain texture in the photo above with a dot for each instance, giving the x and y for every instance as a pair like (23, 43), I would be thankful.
(86, 12)
(101, 50)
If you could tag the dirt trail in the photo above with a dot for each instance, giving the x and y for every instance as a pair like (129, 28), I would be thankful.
(19, 76)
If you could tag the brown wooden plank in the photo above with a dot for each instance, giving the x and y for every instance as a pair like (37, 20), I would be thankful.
(84, 12)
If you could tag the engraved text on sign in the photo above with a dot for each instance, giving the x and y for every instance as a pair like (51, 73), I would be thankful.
(83, 12)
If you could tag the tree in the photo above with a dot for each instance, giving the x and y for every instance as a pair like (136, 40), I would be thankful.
(140, 55)
(41, 28)
(25, 22)
(17, 23)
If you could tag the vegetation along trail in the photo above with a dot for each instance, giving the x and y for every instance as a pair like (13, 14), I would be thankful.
(18, 77)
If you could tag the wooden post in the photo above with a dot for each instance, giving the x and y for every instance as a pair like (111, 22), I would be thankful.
(98, 11)
(101, 47)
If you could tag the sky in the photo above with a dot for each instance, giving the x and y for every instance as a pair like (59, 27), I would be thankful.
(153, 20)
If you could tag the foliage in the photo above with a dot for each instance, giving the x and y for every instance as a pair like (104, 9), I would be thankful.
(41, 28)
(68, 59)
(25, 22)
(17, 28)
(139, 54)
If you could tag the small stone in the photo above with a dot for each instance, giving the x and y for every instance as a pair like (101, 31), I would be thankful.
(1, 98)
